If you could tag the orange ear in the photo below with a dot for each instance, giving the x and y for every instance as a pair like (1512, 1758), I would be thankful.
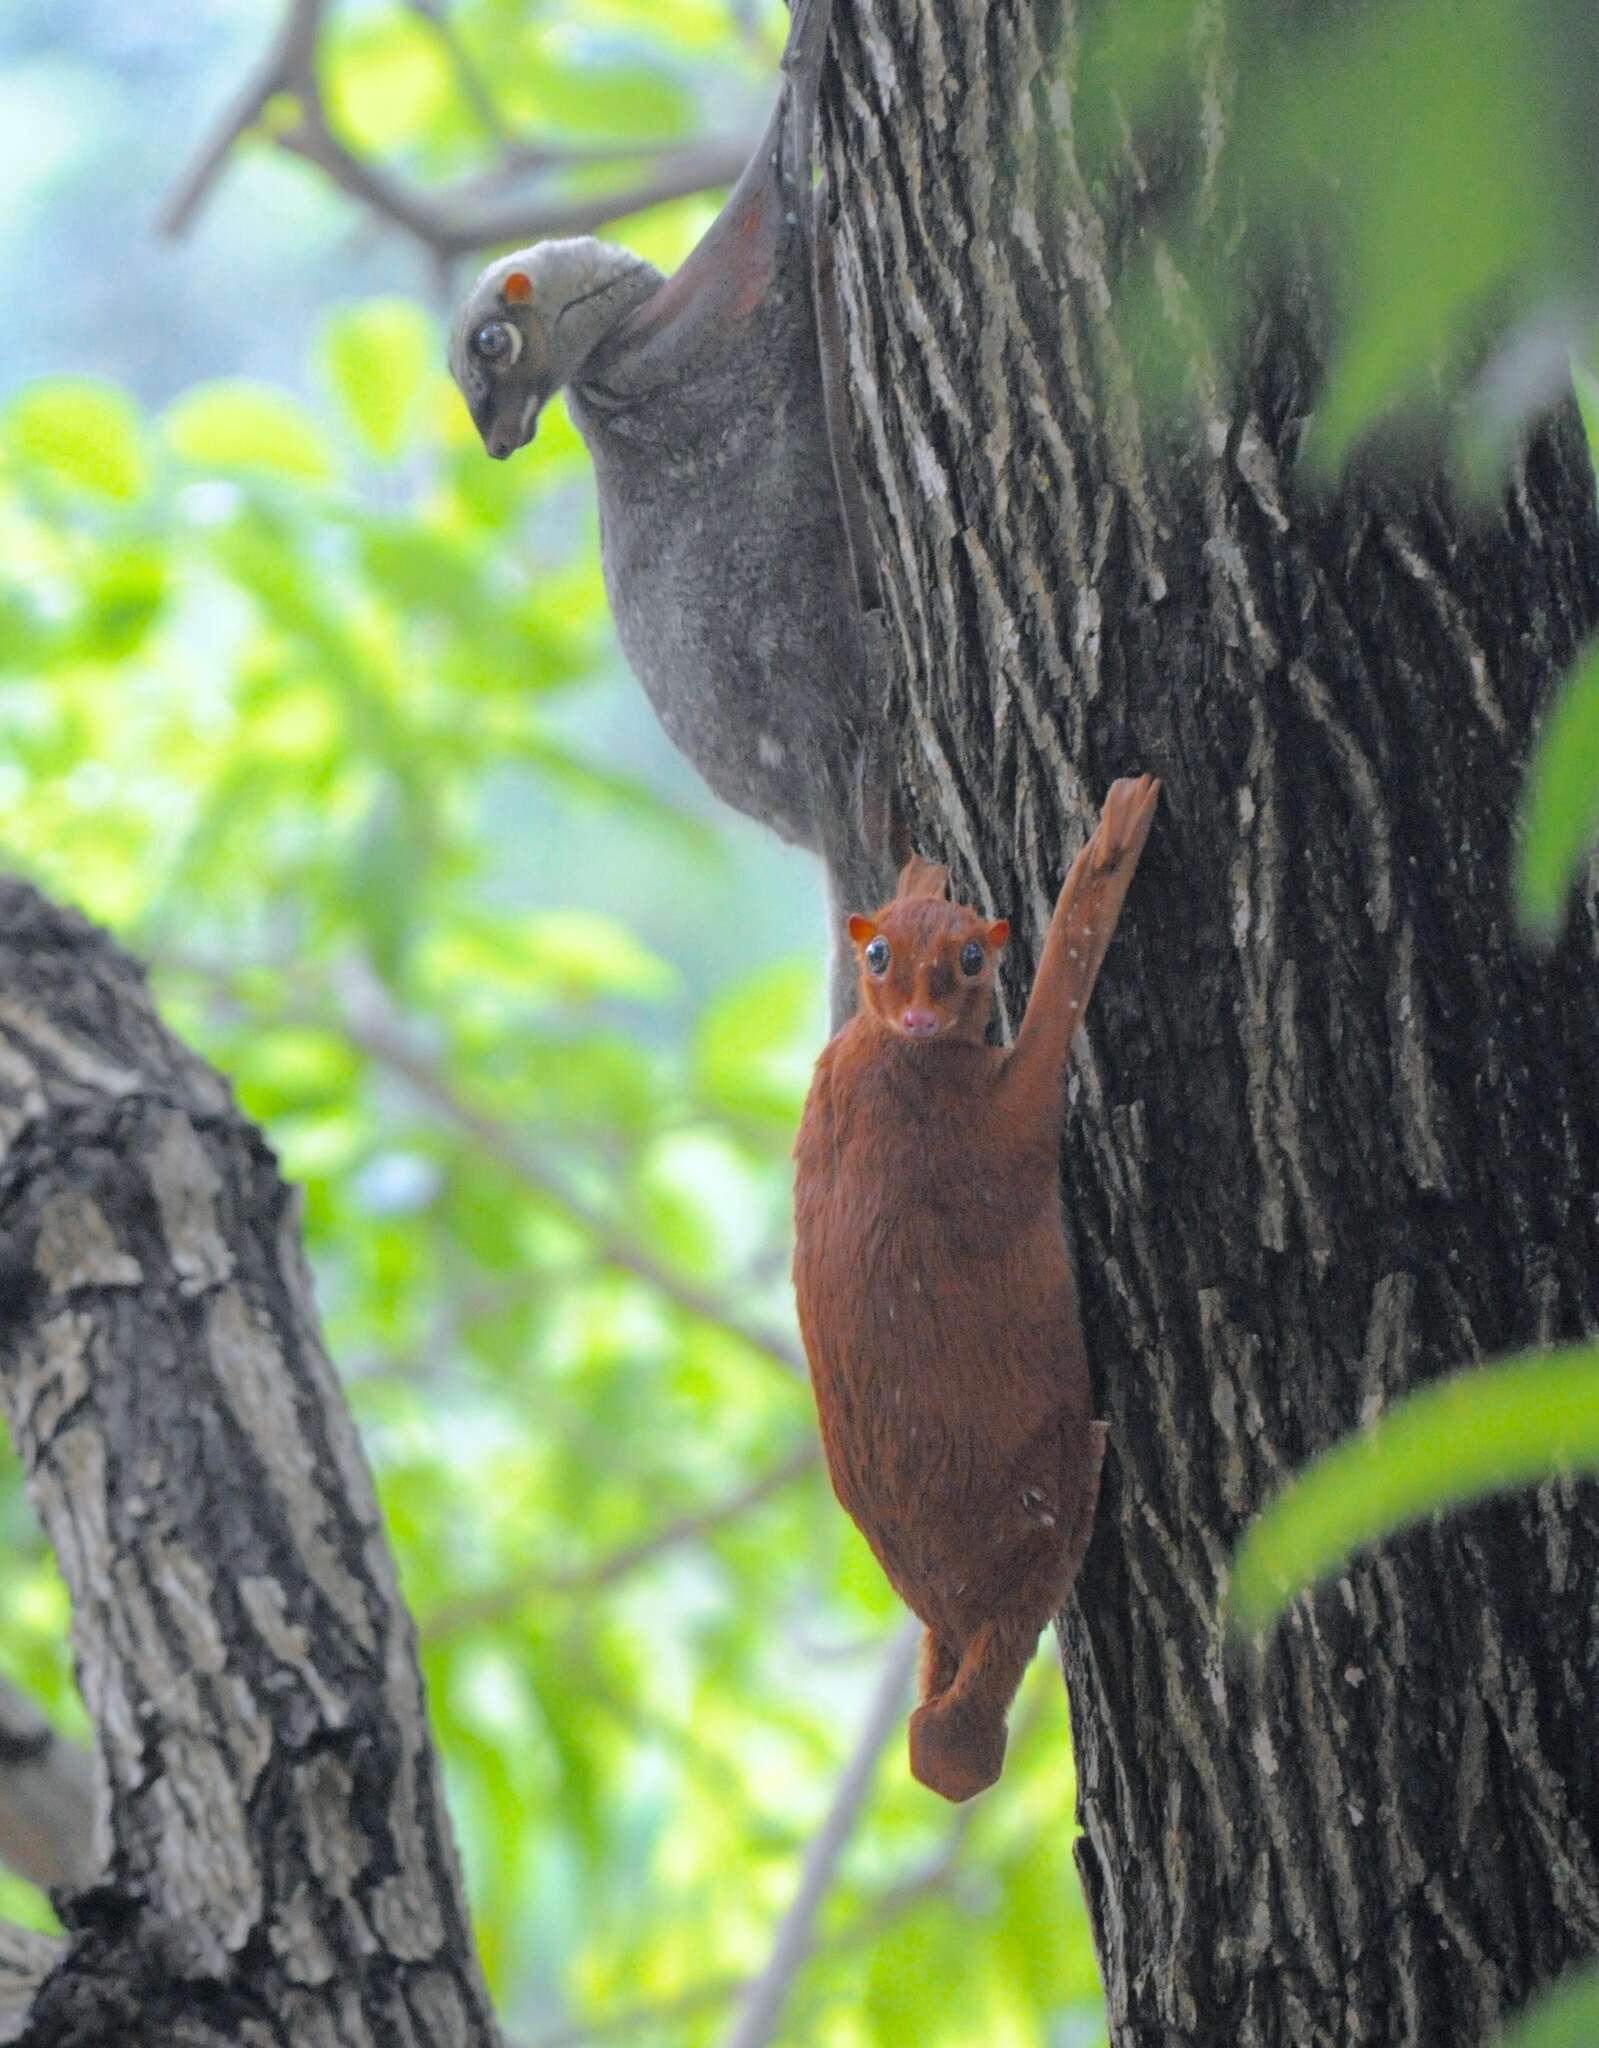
(999, 932)
(861, 929)
(517, 288)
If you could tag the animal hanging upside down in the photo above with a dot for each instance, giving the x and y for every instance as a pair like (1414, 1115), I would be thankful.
(936, 1295)
(732, 528)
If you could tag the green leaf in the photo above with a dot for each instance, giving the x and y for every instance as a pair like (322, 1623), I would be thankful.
(584, 954)
(1567, 2018)
(81, 432)
(386, 80)
(1561, 802)
(378, 357)
(124, 591)
(1477, 1432)
(238, 424)
(758, 1042)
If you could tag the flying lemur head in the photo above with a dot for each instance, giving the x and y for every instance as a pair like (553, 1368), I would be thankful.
(530, 322)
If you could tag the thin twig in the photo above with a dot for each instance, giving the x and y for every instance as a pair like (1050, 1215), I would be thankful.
(371, 1026)
(287, 64)
(761, 2007)
(455, 221)
(925, 1881)
(474, 87)
(500, 1601)
(370, 1023)
(449, 225)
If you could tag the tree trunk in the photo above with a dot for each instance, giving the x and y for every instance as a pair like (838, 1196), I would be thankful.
(275, 1861)
(1335, 1131)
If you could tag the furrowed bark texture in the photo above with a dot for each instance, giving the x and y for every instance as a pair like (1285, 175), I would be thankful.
(276, 1865)
(1334, 1130)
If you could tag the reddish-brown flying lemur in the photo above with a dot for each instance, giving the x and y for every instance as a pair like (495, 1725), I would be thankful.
(730, 531)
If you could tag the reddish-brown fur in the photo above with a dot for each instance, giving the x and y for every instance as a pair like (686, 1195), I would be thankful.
(936, 1296)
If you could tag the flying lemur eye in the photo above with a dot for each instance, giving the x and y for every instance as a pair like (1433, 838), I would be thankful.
(497, 342)
(876, 956)
(971, 958)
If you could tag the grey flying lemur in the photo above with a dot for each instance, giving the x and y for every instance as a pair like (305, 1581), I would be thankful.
(731, 537)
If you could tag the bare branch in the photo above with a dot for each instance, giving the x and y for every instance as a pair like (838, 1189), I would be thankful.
(451, 227)
(475, 214)
(372, 1026)
(761, 2007)
(47, 1797)
(505, 1599)
(474, 87)
(932, 1876)
(287, 64)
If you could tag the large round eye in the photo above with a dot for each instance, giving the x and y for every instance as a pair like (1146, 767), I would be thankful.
(971, 958)
(497, 342)
(876, 956)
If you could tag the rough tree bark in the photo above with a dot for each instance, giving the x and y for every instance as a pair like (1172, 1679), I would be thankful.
(1335, 1131)
(275, 1863)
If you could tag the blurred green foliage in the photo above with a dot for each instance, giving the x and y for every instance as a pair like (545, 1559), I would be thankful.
(1567, 2018)
(308, 700)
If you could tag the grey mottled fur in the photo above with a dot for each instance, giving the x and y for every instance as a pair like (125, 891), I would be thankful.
(724, 544)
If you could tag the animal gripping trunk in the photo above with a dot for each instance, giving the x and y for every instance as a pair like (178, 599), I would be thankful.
(1335, 1130)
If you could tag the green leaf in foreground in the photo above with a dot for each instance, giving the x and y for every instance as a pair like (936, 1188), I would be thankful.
(236, 423)
(1561, 804)
(378, 357)
(1474, 1433)
(1567, 2018)
(81, 432)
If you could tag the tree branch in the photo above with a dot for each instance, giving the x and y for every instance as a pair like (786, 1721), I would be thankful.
(287, 65)
(276, 1833)
(932, 1876)
(370, 1023)
(474, 87)
(503, 1600)
(26, 1960)
(47, 1797)
(761, 2007)
(452, 225)
(456, 221)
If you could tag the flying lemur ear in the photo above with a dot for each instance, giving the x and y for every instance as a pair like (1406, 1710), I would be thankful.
(517, 288)
(861, 929)
(920, 877)
(998, 932)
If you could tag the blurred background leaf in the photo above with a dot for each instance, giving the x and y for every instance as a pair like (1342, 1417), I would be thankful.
(1567, 2018)
(322, 711)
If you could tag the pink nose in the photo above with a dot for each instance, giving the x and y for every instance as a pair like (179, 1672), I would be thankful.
(920, 1023)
